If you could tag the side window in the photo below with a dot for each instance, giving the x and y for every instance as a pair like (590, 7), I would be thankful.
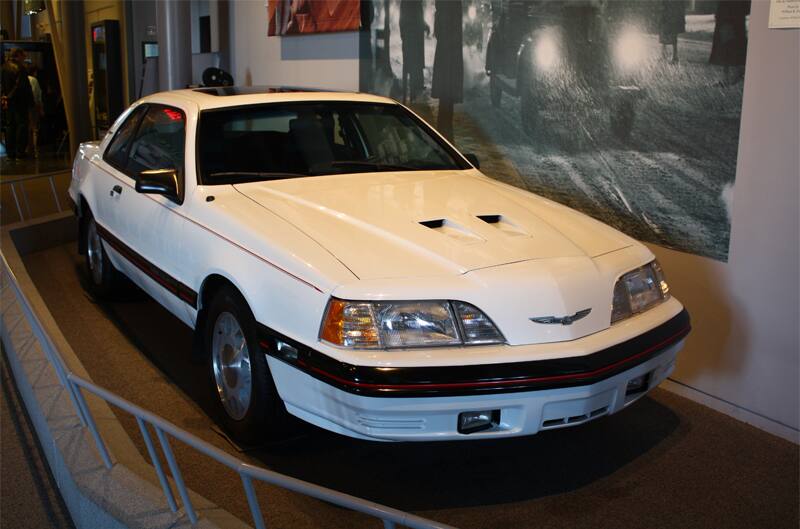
(117, 151)
(159, 142)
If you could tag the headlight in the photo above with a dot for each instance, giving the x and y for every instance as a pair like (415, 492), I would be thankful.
(393, 324)
(638, 291)
(631, 49)
(546, 52)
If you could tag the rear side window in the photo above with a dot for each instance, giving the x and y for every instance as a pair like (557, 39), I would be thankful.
(117, 152)
(159, 142)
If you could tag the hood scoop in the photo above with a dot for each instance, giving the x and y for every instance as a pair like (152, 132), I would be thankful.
(504, 224)
(453, 230)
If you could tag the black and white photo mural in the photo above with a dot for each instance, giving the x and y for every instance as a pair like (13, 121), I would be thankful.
(626, 110)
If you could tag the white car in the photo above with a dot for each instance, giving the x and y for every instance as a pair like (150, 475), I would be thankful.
(341, 261)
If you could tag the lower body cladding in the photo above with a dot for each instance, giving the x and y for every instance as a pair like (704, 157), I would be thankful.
(491, 414)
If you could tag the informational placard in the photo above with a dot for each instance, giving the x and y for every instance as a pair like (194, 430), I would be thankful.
(784, 14)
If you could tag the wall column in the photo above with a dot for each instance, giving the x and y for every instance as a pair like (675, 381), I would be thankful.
(174, 44)
(74, 83)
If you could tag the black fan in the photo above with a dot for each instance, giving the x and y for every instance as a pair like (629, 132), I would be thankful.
(217, 77)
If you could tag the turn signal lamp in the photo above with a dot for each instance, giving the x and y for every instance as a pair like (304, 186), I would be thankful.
(350, 325)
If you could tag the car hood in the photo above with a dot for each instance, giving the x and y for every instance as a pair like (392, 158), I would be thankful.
(413, 224)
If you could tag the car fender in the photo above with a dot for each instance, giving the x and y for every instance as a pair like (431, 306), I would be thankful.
(284, 276)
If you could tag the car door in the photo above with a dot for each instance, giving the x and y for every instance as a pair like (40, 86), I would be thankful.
(148, 226)
(108, 185)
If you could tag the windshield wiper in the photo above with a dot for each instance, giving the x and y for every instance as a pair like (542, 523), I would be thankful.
(377, 165)
(247, 176)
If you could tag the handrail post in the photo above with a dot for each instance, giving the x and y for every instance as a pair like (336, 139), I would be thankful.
(252, 500)
(16, 201)
(101, 446)
(388, 524)
(157, 465)
(176, 475)
(25, 198)
(55, 195)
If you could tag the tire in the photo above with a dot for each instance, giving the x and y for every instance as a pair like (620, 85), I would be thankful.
(250, 408)
(102, 277)
(495, 91)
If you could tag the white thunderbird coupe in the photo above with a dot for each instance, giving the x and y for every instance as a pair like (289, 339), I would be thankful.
(339, 260)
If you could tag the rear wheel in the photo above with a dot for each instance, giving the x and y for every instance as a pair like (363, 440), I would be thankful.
(251, 409)
(101, 274)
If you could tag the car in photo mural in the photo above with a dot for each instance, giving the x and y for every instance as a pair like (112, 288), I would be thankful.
(567, 56)
(339, 260)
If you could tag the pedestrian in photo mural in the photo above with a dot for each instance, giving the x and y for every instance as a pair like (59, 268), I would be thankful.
(412, 35)
(671, 23)
(448, 63)
(729, 48)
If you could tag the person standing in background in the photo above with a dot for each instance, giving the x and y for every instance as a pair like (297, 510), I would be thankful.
(17, 99)
(36, 111)
(448, 63)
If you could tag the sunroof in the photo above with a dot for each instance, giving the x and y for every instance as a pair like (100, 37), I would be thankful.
(250, 90)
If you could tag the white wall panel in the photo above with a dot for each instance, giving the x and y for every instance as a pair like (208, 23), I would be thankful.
(317, 61)
(745, 347)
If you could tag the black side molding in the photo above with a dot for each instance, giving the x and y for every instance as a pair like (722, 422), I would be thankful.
(175, 287)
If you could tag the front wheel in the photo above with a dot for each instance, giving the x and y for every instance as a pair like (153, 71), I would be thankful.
(250, 405)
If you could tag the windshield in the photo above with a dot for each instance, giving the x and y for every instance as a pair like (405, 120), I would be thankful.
(289, 140)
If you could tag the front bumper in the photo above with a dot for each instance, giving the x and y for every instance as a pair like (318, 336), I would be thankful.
(423, 404)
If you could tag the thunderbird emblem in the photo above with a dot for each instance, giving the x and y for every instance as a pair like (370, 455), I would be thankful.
(564, 320)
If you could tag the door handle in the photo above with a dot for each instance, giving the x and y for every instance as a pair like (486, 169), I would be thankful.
(116, 189)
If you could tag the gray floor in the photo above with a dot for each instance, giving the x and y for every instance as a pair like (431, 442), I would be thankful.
(664, 462)
(29, 497)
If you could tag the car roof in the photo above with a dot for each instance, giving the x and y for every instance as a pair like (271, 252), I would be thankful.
(232, 96)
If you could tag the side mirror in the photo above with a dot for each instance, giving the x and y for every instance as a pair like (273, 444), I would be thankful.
(159, 182)
(473, 159)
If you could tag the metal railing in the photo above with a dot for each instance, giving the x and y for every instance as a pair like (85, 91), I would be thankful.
(20, 181)
(75, 385)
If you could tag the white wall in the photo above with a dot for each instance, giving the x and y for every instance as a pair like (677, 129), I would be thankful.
(315, 61)
(743, 356)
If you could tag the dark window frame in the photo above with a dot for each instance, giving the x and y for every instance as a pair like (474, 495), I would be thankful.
(458, 158)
